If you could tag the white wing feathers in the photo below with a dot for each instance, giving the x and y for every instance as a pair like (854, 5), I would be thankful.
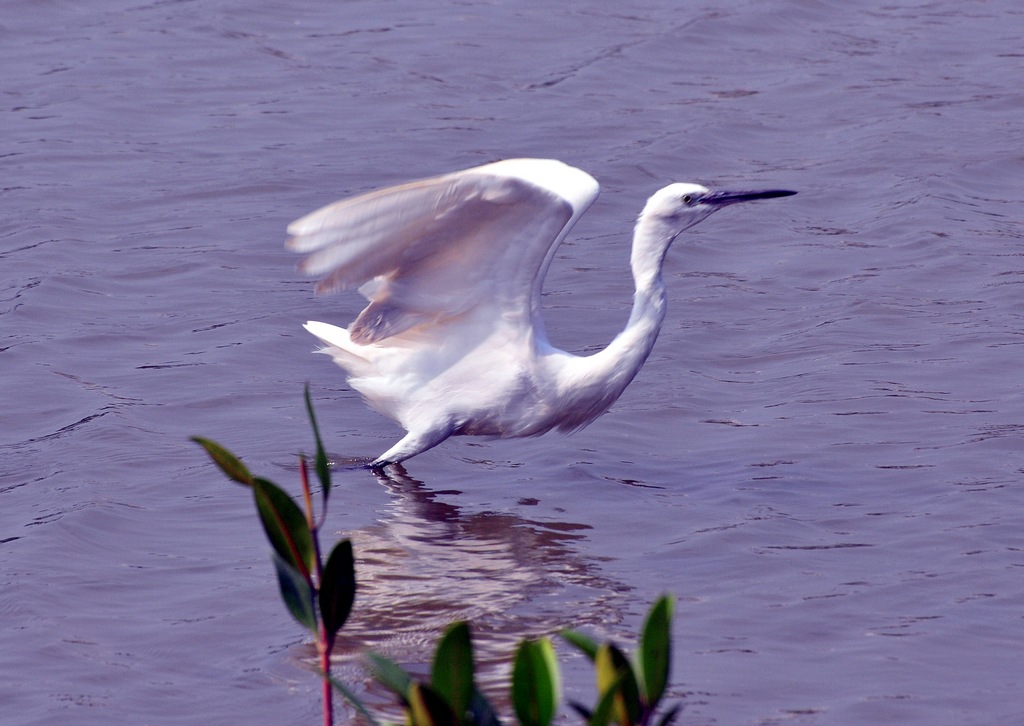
(431, 250)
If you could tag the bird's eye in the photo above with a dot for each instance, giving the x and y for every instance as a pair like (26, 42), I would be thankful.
(688, 199)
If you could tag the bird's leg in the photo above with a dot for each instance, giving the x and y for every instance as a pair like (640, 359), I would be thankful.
(414, 442)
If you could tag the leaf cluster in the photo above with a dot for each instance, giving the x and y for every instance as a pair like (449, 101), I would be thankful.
(629, 691)
(451, 697)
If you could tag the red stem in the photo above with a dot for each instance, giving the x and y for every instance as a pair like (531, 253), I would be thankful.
(323, 644)
(307, 497)
(325, 665)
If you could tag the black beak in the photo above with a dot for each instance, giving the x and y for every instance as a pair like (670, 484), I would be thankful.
(722, 198)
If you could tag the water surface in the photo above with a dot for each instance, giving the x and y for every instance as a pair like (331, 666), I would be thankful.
(821, 460)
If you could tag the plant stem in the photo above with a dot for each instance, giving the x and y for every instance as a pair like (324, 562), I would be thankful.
(324, 643)
(307, 496)
(324, 648)
(314, 529)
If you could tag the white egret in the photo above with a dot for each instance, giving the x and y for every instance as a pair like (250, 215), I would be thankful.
(453, 340)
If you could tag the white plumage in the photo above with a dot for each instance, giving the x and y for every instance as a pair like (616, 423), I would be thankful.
(452, 341)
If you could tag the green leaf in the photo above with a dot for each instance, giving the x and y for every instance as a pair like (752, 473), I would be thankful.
(230, 464)
(390, 675)
(297, 593)
(612, 667)
(535, 683)
(337, 588)
(323, 467)
(286, 527)
(654, 652)
(452, 673)
(428, 707)
(353, 699)
(581, 642)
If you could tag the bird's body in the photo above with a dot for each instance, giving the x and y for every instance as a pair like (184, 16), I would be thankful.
(453, 340)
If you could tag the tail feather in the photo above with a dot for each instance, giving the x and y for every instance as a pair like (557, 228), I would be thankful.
(341, 348)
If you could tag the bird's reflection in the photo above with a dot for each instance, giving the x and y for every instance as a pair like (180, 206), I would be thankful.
(427, 562)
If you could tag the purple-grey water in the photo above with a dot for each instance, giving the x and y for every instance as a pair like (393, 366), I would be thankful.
(822, 460)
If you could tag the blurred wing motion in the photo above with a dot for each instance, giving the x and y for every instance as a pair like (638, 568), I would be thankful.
(427, 252)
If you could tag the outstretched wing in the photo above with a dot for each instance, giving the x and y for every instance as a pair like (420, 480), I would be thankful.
(431, 250)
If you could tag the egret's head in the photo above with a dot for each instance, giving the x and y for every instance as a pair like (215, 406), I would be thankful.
(682, 205)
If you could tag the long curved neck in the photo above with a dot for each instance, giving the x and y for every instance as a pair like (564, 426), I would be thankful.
(613, 368)
(630, 348)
